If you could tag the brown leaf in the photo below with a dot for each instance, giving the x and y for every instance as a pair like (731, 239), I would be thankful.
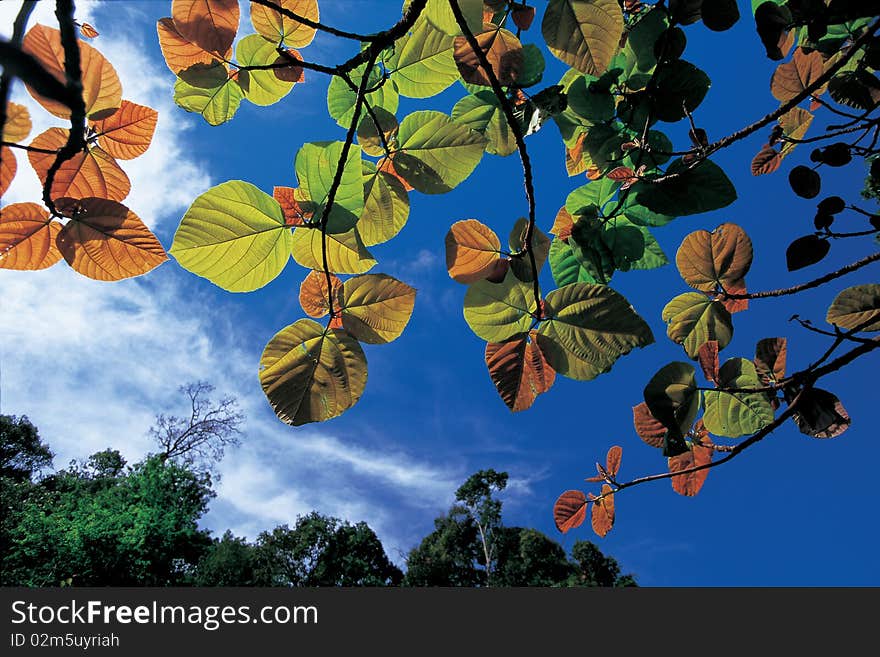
(27, 237)
(770, 356)
(102, 91)
(472, 248)
(106, 241)
(706, 259)
(92, 173)
(210, 24)
(612, 460)
(794, 124)
(179, 53)
(649, 428)
(563, 224)
(294, 215)
(313, 294)
(519, 370)
(88, 31)
(689, 484)
(8, 167)
(792, 77)
(292, 72)
(621, 174)
(766, 161)
(502, 49)
(708, 358)
(18, 123)
(570, 510)
(603, 512)
(127, 133)
(735, 305)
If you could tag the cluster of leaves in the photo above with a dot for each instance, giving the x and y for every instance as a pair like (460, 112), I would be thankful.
(84, 221)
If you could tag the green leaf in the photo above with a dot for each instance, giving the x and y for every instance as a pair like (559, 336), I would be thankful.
(310, 374)
(565, 266)
(588, 328)
(208, 90)
(603, 145)
(436, 154)
(346, 253)
(856, 307)
(736, 414)
(594, 194)
(386, 206)
(341, 99)
(673, 398)
(693, 319)
(316, 168)
(595, 105)
(653, 257)
(260, 87)
(235, 236)
(497, 311)
(643, 36)
(482, 113)
(422, 64)
(591, 250)
(676, 85)
(584, 34)
(532, 68)
(642, 216)
(376, 307)
(702, 188)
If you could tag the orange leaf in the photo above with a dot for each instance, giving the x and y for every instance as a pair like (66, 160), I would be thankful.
(619, 174)
(18, 123)
(708, 358)
(313, 294)
(127, 133)
(792, 77)
(593, 172)
(603, 512)
(574, 157)
(472, 248)
(649, 428)
(503, 51)
(387, 166)
(770, 356)
(27, 237)
(102, 91)
(278, 28)
(179, 53)
(736, 305)
(690, 484)
(89, 173)
(766, 161)
(106, 241)
(209, 24)
(570, 510)
(293, 212)
(88, 31)
(8, 167)
(706, 259)
(519, 370)
(563, 224)
(612, 460)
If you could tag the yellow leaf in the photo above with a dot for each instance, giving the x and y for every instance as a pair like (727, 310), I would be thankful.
(471, 251)
(18, 123)
(281, 29)
(8, 167)
(585, 34)
(27, 237)
(346, 253)
(376, 308)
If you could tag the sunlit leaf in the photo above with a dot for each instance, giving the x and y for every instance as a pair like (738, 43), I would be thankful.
(588, 328)
(181, 54)
(106, 241)
(471, 250)
(341, 99)
(289, 200)
(770, 357)
(310, 374)
(501, 49)
(316, 166)
(649, 429)
(820, 414)
(8, 168)
(376, 308)
(562, 225)
(672, 397)
(794, 124)
(482, 113)
(127, 132)
(386, 206)
(234, 235)
(856, 307)
(27, 237)
(374, 134)
(735, 414)
(439, 14)
(612, 460)
(584, 34)
(346, 253)
(210, 24)
(791, 78)
(519, 370)
(314, 295)
(18, 123)
(709, 260)
(101, 89)
(210, 91)
(707, 356)
(498, 311)
(565, 265)
(603, 512)
(422, 64)
(690, 483)
(436, 154)
(570, 510)
(263, 87)
(89, 173)
(693, 319)
(281, 29)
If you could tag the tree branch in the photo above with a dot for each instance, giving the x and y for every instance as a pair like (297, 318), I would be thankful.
(18, 28)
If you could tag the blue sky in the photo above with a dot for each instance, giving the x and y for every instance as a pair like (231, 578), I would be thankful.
(92, 363)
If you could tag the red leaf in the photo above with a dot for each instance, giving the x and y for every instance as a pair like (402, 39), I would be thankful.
(649, 428)
(708, 357)
(736, 305)
(690, 484)
(603, 512)
(570, 510)
(612, 460)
